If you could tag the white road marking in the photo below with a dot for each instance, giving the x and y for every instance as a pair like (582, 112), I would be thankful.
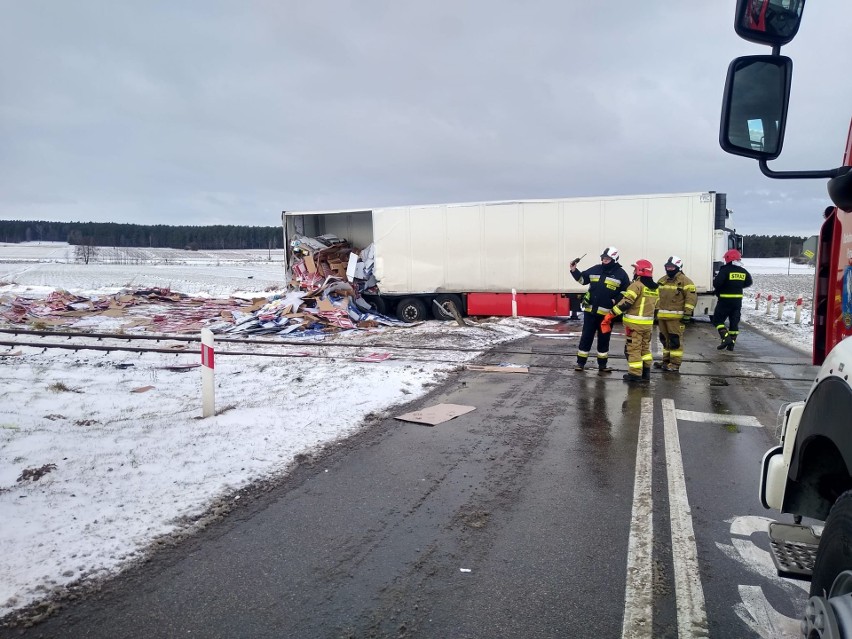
(759, 615)
(716, 418)
(689, 595)
(638, 596)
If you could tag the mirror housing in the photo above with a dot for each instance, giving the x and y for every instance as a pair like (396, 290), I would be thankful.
(754, 106)
(772, 22)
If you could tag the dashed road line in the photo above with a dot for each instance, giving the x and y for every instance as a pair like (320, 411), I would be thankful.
(714, 418)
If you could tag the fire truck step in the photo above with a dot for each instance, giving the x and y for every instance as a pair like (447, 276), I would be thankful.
(793, 548)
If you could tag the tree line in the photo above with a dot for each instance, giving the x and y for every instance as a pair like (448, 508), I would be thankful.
(143, 235)
(249, 237)
(772, 245)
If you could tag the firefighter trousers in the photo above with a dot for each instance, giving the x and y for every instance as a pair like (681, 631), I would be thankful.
(671, 335)
(592, 326)
(727, 309)
(637, 348)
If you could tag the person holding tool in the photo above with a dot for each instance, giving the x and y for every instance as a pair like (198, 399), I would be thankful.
(607, 282)
(637, 306)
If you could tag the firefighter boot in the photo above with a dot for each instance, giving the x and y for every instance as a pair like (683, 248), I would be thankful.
(603, 366)
(632, 379)
(724, 336)
(646, 373)
(581, 363)
(727, 343)
(732, 339)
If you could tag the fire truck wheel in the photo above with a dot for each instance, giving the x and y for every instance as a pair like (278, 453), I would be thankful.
(834, 554)
(411, 309)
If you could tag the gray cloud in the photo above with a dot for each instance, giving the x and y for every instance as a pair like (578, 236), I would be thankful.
(218, 112)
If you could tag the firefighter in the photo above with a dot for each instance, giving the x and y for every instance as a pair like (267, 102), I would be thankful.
(637, 308)
(607, 282)
(674, 312)
(729, 283)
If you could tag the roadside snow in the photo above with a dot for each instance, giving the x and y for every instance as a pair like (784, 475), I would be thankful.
(92, 473)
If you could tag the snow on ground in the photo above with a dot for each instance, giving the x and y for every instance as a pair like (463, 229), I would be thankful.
(92, 473)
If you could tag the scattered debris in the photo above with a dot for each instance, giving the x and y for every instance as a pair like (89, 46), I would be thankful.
(35, 474)
(374, 357)
(437, 414)
(10, 354)
(179, 368)
(142, 389)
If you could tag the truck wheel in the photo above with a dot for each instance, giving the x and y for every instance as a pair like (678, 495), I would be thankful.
(834, 554)
(411, 309)
(444, 302)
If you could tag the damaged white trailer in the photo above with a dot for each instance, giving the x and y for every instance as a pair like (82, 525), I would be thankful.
(476, 254)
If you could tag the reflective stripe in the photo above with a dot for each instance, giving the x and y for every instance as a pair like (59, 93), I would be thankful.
(669, 314)
(647, 357)
(638, 319)
(603, 311)
(603, 355)
(677, 353)
(612, 280)
(731, 295)
(635, 364)
(582, 353)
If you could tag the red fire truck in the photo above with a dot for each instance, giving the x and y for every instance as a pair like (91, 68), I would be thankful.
(809, 474)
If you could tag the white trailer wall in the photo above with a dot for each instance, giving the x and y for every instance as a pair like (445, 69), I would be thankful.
(494, 247)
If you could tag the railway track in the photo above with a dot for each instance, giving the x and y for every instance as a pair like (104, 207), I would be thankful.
(542, 359)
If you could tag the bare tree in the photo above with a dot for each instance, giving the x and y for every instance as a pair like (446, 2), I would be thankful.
(86, 250)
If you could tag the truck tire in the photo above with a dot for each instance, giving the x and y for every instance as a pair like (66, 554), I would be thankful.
(834, 554)
(444, 300)
(411, 309)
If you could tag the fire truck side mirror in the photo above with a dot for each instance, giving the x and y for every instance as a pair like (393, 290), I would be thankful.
(754, 106)
(772, 22)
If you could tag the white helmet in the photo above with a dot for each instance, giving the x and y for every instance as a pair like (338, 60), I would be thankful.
(675, 261)
(611, 252)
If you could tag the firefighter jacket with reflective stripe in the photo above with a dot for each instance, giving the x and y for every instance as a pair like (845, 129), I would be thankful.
(640, 301)
(606, 283)
(677, 297)
(730, 281)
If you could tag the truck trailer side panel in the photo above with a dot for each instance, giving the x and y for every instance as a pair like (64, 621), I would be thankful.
(495, 247)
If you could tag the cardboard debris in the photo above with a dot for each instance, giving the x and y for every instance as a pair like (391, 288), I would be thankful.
(374, 357)
(435, 415)
(142, 389)
(501, 368)
(179, 368)
(10, 354)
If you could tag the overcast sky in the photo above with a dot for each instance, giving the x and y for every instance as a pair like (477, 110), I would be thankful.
(208, 112)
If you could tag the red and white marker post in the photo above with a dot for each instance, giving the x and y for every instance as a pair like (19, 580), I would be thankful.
(799, 310)
(208, 401)
(780, 306)
(756, 301)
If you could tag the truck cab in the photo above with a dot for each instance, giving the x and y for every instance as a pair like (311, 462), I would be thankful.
(809, 474)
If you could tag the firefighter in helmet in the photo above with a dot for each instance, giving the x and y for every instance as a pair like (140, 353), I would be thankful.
(729, 283)
(607, 281)
(637, 309)
(674, 311)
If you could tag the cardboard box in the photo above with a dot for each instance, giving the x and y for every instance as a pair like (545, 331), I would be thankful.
(310, 264)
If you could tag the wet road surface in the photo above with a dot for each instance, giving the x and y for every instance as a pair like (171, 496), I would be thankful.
(519, 519)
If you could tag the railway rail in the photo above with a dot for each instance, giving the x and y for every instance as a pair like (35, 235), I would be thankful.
(283, 348)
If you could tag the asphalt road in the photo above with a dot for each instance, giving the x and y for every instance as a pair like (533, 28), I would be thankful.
(524, 518)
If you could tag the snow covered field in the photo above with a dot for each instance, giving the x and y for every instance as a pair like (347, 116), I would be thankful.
(92, 473)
